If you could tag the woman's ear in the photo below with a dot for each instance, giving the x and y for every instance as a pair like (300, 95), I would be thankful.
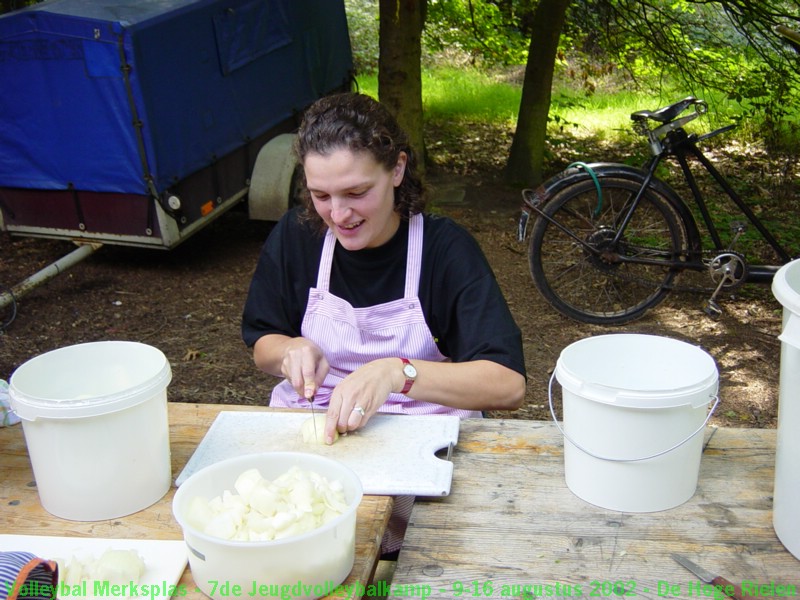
(399, 169)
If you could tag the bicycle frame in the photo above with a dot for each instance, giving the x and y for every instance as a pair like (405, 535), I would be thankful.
(682, 146)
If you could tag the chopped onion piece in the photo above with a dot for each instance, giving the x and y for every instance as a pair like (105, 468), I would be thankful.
(294, 503)
(117, 567)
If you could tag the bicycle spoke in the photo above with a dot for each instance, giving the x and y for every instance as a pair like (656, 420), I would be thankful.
(600, 279)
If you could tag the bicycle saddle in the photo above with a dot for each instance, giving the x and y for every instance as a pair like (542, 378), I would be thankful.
(666, 114)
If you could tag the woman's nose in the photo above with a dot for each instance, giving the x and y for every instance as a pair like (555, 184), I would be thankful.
(340, 209)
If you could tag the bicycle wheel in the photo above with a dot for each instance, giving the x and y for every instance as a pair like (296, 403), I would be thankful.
(585, 285)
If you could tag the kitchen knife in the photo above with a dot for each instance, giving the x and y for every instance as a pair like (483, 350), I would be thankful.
(727, 587)
(313, 417)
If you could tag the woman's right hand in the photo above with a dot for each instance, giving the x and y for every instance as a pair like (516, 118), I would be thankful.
(304, 366)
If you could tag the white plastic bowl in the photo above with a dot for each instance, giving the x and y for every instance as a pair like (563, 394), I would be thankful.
(305, 567)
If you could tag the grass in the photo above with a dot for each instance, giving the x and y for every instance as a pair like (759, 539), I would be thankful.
(461, 94)
(464, 94)
(467, 94)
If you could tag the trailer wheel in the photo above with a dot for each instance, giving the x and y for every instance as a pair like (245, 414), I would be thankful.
(273, 181)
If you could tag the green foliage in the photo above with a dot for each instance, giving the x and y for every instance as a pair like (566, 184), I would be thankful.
(10, 5)
(363, 23)
(665, 49)
(492, 97)
(726, 46)
(493, 32)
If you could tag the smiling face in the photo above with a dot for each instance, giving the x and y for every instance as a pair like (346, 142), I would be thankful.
(354, 195)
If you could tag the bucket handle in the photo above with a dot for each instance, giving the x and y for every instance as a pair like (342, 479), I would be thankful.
(606, 458)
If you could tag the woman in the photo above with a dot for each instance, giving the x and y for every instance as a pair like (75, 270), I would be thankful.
(362, 303)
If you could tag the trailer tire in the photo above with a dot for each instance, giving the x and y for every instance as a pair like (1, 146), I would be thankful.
(272, 181)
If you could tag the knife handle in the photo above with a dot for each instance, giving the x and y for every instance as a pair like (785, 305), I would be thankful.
(726, 585)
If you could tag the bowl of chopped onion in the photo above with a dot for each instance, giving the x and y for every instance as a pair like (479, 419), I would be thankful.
(275, 524)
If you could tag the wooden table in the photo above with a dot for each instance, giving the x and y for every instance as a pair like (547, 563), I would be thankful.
(22, 513)
(511, 521)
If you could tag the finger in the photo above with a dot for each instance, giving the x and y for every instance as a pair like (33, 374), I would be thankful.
(356, 418)
(291, 369)
(316, 380)
(308, 370)
(331, 422)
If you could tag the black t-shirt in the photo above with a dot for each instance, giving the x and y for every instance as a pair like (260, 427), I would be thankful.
(462, 303)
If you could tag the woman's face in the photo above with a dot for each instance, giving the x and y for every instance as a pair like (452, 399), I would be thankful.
(354, 195)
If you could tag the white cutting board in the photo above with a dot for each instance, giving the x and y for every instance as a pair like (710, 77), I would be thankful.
(164, 560)
(392, 455)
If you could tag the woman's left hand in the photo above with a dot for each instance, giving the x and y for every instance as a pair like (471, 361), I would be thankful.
(359, 395)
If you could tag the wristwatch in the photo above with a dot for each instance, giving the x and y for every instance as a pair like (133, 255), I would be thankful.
(411, 374)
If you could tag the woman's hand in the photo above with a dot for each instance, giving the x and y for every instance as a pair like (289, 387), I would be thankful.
(304, 366)
(359, 395)
(298, 359)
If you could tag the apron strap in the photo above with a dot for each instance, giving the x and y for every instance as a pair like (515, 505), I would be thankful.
(413, 258)
(326, 261)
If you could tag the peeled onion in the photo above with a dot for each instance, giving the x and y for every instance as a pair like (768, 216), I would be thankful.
(295, 502)
(313, 430)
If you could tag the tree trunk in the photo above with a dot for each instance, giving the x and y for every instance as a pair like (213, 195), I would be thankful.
(526, 159)
(399, 66)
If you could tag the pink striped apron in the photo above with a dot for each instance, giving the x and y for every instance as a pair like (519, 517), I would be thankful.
(350, 337)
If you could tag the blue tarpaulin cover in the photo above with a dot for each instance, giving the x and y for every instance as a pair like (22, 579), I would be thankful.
(131, 96)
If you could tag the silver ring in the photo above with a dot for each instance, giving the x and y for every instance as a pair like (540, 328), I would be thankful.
(359, 410)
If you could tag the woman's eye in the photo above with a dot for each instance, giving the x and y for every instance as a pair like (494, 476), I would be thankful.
(319, 197)
(358, 194)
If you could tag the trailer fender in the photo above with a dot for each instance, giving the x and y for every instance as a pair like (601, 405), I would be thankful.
(272, 179)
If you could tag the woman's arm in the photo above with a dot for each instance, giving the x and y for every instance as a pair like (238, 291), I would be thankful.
(472, 385)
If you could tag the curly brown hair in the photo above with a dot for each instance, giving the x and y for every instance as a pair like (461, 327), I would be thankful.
(359, 123)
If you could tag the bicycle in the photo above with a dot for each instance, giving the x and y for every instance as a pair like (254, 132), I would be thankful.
(609, 240)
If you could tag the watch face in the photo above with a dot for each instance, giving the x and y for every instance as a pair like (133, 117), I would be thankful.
(409, 371)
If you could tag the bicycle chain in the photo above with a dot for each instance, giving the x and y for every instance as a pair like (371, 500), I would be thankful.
(711, 254)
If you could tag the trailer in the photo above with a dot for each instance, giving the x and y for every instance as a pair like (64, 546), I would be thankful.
(138, 122)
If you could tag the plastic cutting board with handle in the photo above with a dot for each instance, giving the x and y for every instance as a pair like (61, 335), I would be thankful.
(393, 455)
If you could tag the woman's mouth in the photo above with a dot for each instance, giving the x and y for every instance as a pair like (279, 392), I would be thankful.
(350, 226)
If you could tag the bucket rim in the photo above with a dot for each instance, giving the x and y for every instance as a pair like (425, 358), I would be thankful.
(788, 296)
(697, 393)
(30, 407)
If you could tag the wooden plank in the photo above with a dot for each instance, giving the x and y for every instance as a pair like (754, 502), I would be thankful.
(510, 520)
(22, 512)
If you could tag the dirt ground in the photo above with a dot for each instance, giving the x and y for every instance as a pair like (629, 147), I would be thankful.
(188, 302)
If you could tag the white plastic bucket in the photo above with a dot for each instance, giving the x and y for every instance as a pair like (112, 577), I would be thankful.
(785, 515)
(95, 422)
(634, 408)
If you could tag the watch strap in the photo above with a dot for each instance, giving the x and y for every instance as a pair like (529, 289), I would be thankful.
(409, 381)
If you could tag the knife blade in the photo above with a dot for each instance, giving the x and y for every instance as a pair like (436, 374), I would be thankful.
(313, 416)
(727, 587)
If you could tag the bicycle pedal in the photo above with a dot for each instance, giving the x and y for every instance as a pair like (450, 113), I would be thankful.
(712, 309)
(738, 226)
